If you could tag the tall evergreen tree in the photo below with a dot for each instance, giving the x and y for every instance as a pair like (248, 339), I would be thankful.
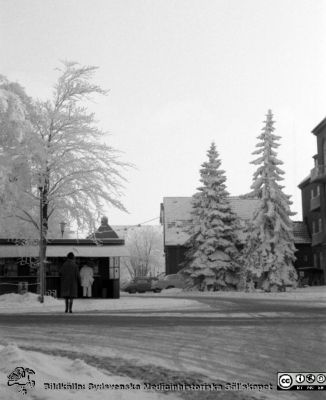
(211, 261)
(269, 251)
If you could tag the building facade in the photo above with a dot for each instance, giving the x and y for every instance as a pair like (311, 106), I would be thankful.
(19, 263)
(313, 194)
(175, 216)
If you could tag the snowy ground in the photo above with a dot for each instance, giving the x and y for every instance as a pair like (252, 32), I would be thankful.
(51, 370)
(57, 369)
(130, 353)
(15, 303)
(313, 293)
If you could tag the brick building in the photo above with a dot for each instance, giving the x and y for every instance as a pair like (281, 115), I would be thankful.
(313, 192)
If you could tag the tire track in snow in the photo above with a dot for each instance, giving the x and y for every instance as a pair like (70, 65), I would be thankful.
(234, 353)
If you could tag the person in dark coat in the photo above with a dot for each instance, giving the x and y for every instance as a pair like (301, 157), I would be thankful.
(69, 281)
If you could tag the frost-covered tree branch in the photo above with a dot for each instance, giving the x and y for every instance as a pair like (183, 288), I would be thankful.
(54, 149)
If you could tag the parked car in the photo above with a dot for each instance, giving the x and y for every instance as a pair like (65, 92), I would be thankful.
(169, 282)
(140, 284)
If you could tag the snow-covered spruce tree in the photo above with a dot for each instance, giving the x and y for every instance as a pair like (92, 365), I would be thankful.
(269, 251)
(211, 261)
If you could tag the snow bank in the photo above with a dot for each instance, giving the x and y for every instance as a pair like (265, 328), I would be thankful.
(27, 299)
(17, 303)
(315, 293)
(52, 373)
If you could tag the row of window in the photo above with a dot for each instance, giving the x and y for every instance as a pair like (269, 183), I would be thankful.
(12, 267)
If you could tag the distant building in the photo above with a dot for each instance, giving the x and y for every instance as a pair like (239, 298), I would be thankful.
(175, 215)
(105, 231)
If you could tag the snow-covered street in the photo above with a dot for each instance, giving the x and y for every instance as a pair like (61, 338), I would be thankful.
(169, 300)
(28, 302)
(52, 373)
(162, 200)
(142, 339)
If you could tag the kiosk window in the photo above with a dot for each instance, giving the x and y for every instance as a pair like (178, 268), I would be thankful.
(10, 268)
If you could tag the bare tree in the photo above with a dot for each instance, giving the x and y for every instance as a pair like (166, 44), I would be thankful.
(145, 247)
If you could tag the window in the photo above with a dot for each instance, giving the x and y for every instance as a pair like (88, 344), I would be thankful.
(315, 260)
(321, 260)
(10, 268)
(23, 268)
(317, 226)
(312, 192)
(53, 267)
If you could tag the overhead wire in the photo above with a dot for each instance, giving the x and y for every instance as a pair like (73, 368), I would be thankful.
(145, 222)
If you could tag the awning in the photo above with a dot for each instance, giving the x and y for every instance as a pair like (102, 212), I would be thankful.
(12, 251)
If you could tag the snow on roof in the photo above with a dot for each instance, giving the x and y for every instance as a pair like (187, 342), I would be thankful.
(177, 215)
(13, 251)
(179, 208)
(244, 208)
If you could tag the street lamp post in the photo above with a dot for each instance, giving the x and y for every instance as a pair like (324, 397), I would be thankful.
(41, 247)
(62, 228)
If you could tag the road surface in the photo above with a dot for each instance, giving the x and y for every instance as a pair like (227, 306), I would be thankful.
(235, 340)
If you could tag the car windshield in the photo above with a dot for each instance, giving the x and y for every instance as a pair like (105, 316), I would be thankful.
(169, 277)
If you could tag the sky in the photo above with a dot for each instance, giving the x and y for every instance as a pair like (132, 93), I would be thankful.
(181, 74)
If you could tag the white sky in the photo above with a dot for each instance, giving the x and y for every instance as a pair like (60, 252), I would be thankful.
(182, 73)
